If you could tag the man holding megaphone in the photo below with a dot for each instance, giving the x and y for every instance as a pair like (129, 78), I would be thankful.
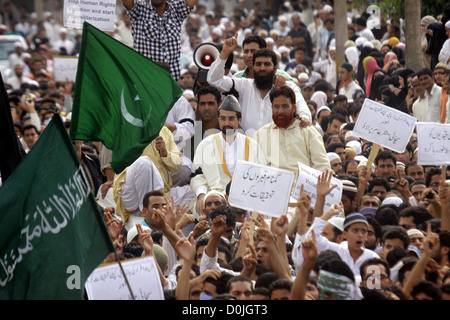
(254, 93)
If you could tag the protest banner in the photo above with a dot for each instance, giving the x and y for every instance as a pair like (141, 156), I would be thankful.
(100, 14)
(65, 68)
(385, 126)
(433, 144)
(260, 188)
(308, 177)
(107, 282)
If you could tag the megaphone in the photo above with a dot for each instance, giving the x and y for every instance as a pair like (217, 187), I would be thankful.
(204, 56)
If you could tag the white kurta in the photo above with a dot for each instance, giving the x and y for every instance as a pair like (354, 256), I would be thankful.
(420, 109)
(324, 244)
(284, 148)
(434, 103)
(208, 158)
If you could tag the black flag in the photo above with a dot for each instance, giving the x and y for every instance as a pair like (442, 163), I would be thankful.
(11, 150)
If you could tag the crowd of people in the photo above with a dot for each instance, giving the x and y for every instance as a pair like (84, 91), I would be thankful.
(273, 95)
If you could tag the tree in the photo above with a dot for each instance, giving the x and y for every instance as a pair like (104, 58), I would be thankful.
(412, 35)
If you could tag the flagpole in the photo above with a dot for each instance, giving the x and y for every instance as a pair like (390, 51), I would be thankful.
(124, 275)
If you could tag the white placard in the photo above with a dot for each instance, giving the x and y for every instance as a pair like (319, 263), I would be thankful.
(433, 143)
(260, 188)
(101, 14)
(308, 177)
(107, 282)
(65, 68)
(384, 125)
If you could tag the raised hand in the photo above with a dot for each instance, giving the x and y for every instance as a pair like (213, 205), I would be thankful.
(364, 175)
(185, 248)
(333, 210)
(430, 242)
(309, 248)
(280, 225)
(402, 185)
(265, 234)
(249, 260)
(201, 227)
(279, 81)
(170, 215)
(219, 225)
(229, 45)
(303, 202)
(114, 227)
(323, 184)
(145, 239)
(158, 219)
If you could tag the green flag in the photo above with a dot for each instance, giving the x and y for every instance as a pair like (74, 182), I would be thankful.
(52, 231)
(121, 97)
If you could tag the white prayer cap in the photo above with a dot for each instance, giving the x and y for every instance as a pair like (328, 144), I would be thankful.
(18, 44)
(282, 49)
(412, 232)
(356, 145)
(323, 108)
(248, 30)
(34, 83)
(359, 42)
(62, 30)
(350, 134)
(337, 222)
(132, 233)
(303, 76)
(368, 44)
(214, 192)
(401, 164)
(332, 156)
(397, 201)
(447, 24)
(360, 158)
(188, 93)
(348, 185)
(218, 31)
(269, 40)
(327, 8)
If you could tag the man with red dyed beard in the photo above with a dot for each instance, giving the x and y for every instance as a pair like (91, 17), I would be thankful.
(284, 142)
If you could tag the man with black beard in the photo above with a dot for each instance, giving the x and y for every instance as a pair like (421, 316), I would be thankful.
(284, 142)
(254, 93)
(216, 156)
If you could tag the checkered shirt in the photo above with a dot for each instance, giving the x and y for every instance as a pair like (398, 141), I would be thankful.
(156, 37)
